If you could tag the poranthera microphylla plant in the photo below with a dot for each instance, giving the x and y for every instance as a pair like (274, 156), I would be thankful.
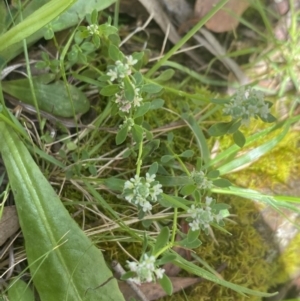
(132, 96)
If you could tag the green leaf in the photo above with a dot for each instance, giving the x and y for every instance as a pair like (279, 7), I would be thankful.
(173, 201)
(222, 183)
(187, 154)
(213, 174)
(165, 75)
(150, 147)
(110, 90)
(166, 158)
(128, 89)
(38, 15)
(234, 127)
(94, 17)
(167, 257)
(198, 134)
(157, 104)
(121, 135)
(52, 98)
(189, 244)
(137, 133)
(128, 275)
(270, 118)
(142, 110)
(239, 138)
(166, 284)
(20, 291)
(153, 168)
(114, 53)
(193, 235)
(188, 189)
(151, 88)
(36, 21)
(64, 263)
(161, 240)
(220, 129)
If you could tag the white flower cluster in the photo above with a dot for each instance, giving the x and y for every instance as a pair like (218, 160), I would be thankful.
(202, 217)
(201, 180)
(141, 191)
(124, 104)
(93, 29)
(120, 70)
(145, 270)
(247, 103)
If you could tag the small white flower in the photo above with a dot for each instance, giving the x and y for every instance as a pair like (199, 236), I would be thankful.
(93, 29)
(112, 74)
(148, 262)
(128, 185)
(132, 265)
(159, 273)
(194, 225)
(129, 197)
(131, 61)
(156, 191)
(146, 206)
(150, 178)
(208, 200)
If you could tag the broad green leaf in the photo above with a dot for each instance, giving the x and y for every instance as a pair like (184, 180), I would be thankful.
(270, 118)
(239, 138)
(157, 104)
(52, 98)
(114, 53)
(121, 135)
(150, 147)
(166, 284)
(189, 244)
(188, 189)
(166, 158)
(38, 13)
(128, 89)
(34, 22)
(151, 88)
(222, 183)
(142, 110)
(173, 201)
(213, 174)
(161, 240)
(128, 275)
(220, 129)
(234, 127)
(171, 181)
(19, 290)
(193, 235)
(64, 263)
(187, 154)
(167, 257)
(153, 168)
(110, 90)
(137, 133)
(165, 75)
